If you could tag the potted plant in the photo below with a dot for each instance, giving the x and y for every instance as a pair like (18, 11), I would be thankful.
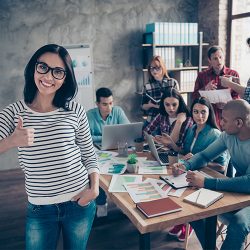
(132, 163)
(179, 63)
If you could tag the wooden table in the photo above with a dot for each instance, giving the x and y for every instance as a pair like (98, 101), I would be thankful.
(230, 202)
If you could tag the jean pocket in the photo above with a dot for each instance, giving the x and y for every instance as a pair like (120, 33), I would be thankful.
(75, 203)
(33, 208)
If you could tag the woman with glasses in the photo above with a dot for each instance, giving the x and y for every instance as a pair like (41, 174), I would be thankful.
(159, 81)
(203, 132)
(56, 152)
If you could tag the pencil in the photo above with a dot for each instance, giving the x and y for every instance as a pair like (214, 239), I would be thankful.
(198, 196)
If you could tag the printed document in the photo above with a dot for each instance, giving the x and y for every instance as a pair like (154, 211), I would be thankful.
(217, 95)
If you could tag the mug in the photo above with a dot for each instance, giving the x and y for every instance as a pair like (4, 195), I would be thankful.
(139, 144)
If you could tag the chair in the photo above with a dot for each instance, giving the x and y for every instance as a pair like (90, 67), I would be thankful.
(228, 171)
(222, 230)
(223, 225)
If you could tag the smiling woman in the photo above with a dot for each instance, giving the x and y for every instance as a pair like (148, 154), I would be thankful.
(55, 151)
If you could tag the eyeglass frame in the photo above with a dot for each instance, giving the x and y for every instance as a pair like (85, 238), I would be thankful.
(50, 69)
(151, 68)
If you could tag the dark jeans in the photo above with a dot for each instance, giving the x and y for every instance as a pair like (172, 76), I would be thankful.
(45, 222)
(102, 197)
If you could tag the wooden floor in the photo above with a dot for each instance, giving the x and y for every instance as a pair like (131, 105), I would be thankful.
(112, 232)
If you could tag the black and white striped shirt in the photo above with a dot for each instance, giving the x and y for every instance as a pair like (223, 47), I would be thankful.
(57, 165)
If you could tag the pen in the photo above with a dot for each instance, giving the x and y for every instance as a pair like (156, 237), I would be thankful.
(182, 170)
(198, 196)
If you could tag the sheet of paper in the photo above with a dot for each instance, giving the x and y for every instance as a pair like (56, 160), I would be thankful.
(177, 181)
(118, 181)
(165, 188)
(113, 166)
(104, 156)
(143, 191)
(152, 169)
(216, 96)
(177, 192)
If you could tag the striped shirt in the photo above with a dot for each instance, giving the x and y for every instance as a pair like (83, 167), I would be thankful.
(57, 165)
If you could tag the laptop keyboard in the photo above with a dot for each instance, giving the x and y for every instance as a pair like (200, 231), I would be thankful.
(163, 157)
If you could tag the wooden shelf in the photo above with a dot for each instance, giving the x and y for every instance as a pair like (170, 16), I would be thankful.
(183, 68)
(172, 45)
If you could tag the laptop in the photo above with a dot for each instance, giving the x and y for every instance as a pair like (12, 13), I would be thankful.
(161, 157)
(112, 134)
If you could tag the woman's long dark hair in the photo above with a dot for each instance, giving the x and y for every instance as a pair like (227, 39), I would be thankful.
(172, 92)
(211, 117)
(68, 89)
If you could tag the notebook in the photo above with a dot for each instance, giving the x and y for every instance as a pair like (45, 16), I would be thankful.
(175, 181)
(112, 134)
(152, 99)
(158, 207)
(203, 197)
(161, 157)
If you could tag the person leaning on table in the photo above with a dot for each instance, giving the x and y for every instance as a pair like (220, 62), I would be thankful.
(104, 114)
(236, 139)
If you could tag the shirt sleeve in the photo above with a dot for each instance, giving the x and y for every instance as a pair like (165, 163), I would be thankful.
(183, 132)
(151, 127)
(85, 143)
(7, 124)
(202, 158)
(122, 118)
(247, 94)
(145, 99)
(234, 94)
(198, 86)
(239, 184)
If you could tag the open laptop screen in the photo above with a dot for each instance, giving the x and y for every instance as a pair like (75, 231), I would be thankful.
(112, 134)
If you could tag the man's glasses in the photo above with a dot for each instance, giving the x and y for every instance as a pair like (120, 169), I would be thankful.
(57, 72)
(154, 68)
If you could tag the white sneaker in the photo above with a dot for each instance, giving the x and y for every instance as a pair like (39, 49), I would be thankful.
(102, 210)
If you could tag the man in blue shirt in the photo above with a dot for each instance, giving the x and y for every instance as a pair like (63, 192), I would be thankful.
(104, 114)
(236, 138)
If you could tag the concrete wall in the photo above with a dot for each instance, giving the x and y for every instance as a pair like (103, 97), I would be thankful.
(113, 27)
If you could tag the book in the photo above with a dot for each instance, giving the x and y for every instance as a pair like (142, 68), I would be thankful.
(158, 207)
(152, 99)
(176, 181)
(203, 197)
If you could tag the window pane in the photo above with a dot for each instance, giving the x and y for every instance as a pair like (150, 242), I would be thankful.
(240, 52)
(241, 6)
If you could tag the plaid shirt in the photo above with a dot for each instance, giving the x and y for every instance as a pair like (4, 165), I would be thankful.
(247, 93)
(208, 75)
(162, 122)
(155, 90)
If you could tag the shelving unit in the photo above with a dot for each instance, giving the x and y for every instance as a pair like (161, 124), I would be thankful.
(186, 52)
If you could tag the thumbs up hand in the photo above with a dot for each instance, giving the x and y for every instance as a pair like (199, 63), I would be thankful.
(21, 136)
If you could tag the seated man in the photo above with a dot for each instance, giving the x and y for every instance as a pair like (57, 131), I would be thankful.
(236, 138)
(104, 114)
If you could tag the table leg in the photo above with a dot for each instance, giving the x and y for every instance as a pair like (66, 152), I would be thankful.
(145, 241)
(210, 233)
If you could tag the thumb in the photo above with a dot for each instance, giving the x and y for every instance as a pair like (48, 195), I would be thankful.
(20, 122)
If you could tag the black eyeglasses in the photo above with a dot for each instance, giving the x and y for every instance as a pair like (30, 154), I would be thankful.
(155, 68)
(57, 72)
